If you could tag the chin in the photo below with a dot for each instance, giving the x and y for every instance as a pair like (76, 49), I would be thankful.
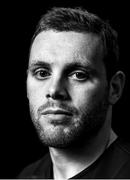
(59, 137)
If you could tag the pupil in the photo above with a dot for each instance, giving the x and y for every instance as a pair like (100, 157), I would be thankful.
(80, 75)
(43, 73)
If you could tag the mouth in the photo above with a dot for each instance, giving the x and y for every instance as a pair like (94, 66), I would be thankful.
(56, 112)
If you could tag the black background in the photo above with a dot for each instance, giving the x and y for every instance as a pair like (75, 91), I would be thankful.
(19, 144)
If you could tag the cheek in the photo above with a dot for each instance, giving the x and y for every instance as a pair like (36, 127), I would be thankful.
(36, 93)
(88, 93)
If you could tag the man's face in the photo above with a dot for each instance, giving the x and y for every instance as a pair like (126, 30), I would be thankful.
(67, 87)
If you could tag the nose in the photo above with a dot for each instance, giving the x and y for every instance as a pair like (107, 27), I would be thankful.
(57, 90)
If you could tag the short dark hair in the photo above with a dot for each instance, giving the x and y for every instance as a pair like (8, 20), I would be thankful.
(80, 20)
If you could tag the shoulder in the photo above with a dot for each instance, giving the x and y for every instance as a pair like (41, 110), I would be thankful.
(122, 146)
(118, 159)
(33, 169)
(119, 151)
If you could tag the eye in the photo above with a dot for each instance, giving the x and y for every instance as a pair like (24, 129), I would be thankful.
(79, 75)
(41, 74)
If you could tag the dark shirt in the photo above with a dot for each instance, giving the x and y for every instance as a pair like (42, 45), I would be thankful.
(114, 163)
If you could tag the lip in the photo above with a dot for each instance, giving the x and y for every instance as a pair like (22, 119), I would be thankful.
(56, 112)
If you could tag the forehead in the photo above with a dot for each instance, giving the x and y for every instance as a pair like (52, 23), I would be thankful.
(64, 47)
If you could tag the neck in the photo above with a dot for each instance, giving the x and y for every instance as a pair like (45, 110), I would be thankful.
(69, 162)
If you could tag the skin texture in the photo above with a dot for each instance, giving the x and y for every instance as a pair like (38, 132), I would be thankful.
(66, 72)
(73, 79)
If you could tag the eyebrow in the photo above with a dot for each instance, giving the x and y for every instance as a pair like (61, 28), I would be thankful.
(68, 67)
(39, 63)
(76, 65)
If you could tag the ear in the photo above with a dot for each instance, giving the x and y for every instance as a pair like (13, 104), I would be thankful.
(116, 87)
(27, 86)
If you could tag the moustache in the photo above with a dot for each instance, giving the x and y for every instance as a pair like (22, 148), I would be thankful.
(51, 104)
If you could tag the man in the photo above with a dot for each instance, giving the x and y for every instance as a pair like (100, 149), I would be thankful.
(73, 81)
